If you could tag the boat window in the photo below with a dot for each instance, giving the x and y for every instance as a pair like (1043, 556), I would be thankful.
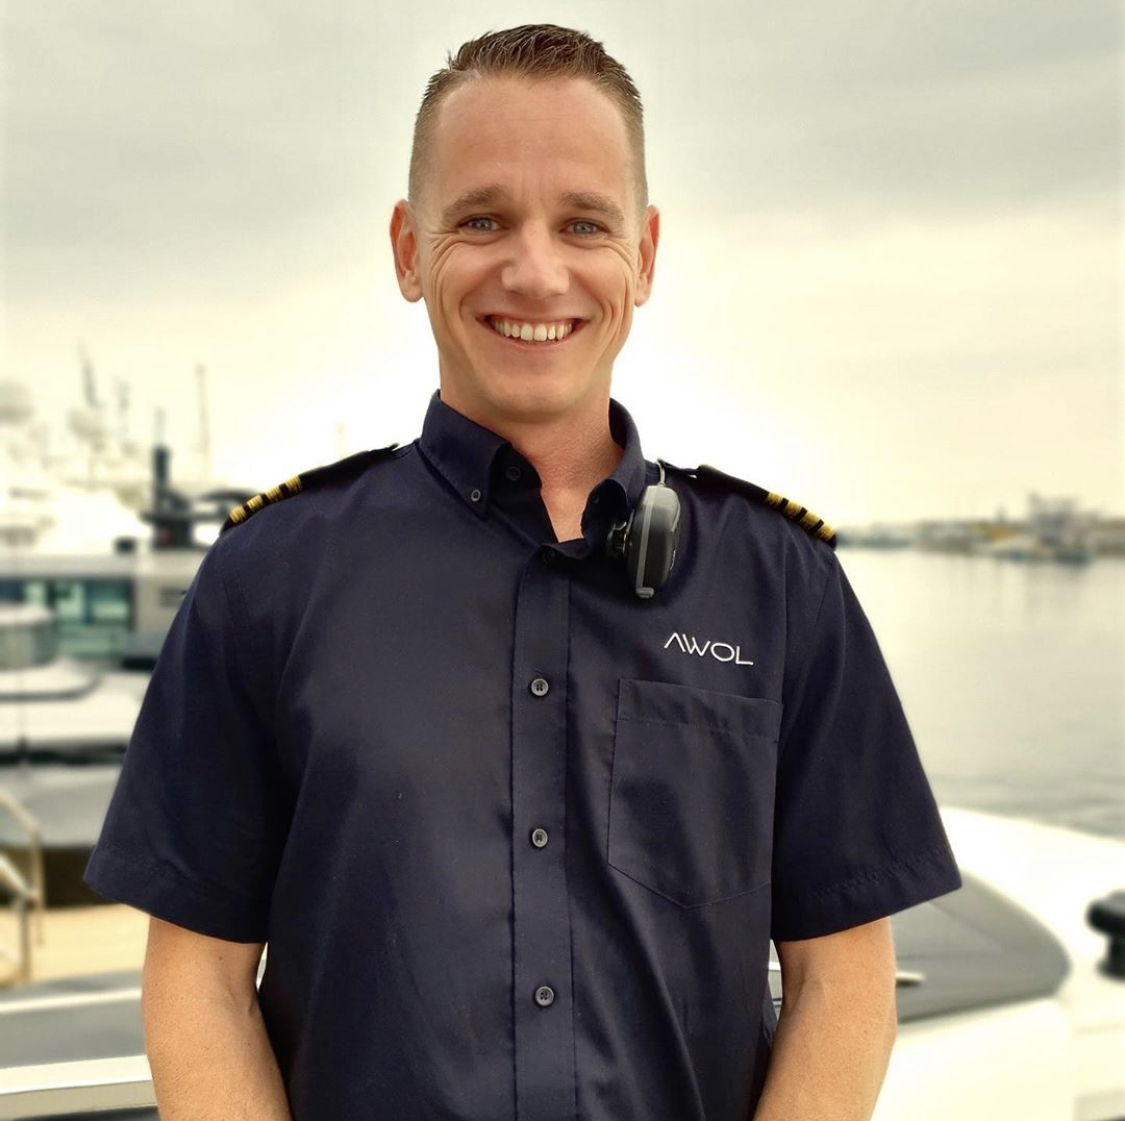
(95, 615)
(109, 601)
(68, 600)
(22, 647)
(36, 591)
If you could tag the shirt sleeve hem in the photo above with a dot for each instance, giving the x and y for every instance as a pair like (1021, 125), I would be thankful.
(165, 895)
(867, 896)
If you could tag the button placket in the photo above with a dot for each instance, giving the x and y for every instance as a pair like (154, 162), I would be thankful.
(544, 1038)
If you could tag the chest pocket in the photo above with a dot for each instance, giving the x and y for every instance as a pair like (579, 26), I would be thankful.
(691, 790)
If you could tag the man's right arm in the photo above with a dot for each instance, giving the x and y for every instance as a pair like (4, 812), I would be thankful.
(207, 1045)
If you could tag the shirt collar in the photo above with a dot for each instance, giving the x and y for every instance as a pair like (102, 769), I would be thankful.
(469, 456)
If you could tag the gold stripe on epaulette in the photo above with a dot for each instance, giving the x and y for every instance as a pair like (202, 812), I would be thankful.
(275, 494)
(805, 518)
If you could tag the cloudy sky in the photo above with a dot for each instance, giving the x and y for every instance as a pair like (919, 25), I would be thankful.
(889, 280)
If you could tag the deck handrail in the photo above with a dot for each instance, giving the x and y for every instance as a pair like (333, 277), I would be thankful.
(26, 897)
(51, 1089)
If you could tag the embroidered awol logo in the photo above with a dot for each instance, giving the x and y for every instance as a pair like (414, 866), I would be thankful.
(721, 651)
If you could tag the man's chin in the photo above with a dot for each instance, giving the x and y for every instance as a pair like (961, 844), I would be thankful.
(529, 396)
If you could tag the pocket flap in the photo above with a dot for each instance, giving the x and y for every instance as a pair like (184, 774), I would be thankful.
(664, 702)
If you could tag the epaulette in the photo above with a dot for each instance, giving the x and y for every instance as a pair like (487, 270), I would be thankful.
(307, 480)
(811, 523)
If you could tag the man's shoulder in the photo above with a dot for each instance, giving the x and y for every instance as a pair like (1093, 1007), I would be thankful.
(772, 512)
(307, 486)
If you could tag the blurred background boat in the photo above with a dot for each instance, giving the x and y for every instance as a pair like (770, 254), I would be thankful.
(95, 530)
(64, 727)
(97, 547)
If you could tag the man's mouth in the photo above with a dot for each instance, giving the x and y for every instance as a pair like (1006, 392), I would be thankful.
(543, 333)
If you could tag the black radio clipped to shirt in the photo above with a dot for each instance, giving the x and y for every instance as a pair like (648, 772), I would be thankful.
(648, 538)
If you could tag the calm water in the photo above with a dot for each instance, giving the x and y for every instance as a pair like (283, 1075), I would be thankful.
(1012, 676)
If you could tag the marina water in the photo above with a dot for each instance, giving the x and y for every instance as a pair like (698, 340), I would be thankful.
(1012, 676)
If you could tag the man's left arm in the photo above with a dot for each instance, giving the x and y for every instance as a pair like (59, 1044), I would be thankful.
(836, 1027)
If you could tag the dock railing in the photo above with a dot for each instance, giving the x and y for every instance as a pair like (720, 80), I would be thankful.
(27, 893)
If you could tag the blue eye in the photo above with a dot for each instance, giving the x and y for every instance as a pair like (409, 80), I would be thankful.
(470, 223)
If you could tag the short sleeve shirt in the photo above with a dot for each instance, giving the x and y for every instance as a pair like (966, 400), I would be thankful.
(518, 839)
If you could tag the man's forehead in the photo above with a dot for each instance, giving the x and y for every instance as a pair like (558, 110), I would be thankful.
(559, 112)
(488, 93)
(496, 122)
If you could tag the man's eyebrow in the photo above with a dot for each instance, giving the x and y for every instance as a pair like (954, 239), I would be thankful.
(475, 196)
(598, 204)
(493, 193)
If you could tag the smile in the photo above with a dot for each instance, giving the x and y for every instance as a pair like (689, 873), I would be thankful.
(527, 334)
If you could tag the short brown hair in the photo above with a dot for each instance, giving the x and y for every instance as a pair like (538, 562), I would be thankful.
(532, 51)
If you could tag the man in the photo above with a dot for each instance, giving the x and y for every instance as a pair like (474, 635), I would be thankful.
(518, 829)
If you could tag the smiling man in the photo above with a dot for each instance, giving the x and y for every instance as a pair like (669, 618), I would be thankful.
(518, 748)
(530, 241)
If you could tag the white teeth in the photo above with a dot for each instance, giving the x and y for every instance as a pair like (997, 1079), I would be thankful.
(539, 333)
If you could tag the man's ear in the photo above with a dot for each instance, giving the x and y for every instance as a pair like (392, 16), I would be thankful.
(650, 235)
(404, 245)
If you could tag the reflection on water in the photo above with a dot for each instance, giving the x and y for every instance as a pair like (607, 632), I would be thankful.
(1012, 676)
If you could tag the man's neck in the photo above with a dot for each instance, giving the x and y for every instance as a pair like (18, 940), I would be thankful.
(571, 454)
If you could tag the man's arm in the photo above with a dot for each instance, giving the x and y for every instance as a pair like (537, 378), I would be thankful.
(207, 1045)
(836, 1028)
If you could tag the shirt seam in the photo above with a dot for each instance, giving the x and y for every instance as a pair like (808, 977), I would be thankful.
(211, 892)
(802, 677)
(874, 875)
(689, 724)
(566, 850)
(226, 582)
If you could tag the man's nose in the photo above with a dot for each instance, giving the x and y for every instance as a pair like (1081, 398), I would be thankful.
(536, 268)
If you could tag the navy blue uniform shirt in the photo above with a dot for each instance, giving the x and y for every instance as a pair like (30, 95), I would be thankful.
(518, 840)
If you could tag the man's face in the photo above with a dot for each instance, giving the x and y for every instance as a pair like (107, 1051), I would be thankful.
(528, 222)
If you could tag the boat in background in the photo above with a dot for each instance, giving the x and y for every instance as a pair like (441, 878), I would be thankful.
(64, 727)
(110, 551)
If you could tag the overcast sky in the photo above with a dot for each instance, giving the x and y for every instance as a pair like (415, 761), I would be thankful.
(889, 277)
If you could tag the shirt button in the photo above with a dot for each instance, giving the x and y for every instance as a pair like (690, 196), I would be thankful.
(513, 472)
(548, 556)
(544, 996)
(539, 687)
(539, 837)
(474, 494)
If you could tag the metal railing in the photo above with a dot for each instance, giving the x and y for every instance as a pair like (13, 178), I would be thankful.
(89, 1085)
(27, 895)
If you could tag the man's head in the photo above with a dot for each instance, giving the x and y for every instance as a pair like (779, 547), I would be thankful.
(533, 52)
(528, 207)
